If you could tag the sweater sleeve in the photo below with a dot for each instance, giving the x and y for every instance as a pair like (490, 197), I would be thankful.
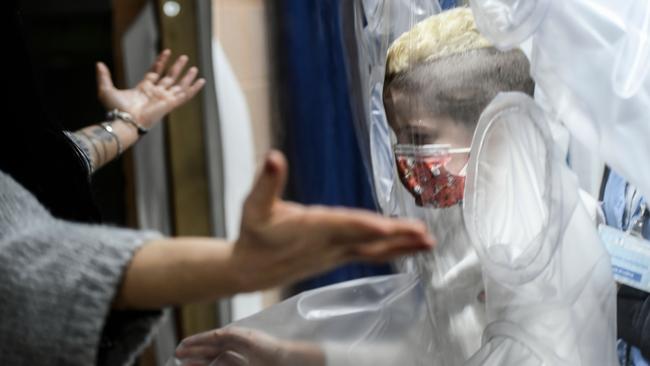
(57, 282)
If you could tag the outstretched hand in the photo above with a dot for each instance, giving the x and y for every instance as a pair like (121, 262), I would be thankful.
(281, 242)
(238, 347)
(156, 95)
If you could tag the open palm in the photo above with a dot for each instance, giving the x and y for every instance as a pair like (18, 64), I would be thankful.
(156, 95)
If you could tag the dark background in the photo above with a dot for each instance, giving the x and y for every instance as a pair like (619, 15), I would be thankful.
(65, 40)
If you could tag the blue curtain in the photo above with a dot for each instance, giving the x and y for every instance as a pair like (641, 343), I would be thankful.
(319, 136)
(448, 4)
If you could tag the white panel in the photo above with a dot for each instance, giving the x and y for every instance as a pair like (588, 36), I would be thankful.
(238, 160)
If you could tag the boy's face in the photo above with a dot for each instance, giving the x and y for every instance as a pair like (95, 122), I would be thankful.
(433, 109)
(415, 126)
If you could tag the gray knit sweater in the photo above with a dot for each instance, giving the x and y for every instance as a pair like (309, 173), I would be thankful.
(57, 282)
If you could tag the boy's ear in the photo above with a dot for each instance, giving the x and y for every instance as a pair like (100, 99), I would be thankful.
(389, 105)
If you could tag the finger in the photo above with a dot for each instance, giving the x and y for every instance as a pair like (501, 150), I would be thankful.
(230, 358)
(383, 250)
(161, 94)
(203, 351)
(192, 90)
(349, 225)
(239, 341)
(174, 72)
(213, 337)
(159, 65)
(148, 89)
(268, 187)
(225, 348)
(197, 362)
(189, 77)
(151, 77)
(104, 81)
(200, 338)
(232, 338)
(387, 257)
(176, 90)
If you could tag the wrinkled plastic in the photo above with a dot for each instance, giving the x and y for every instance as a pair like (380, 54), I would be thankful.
(549, 289)
(377, 24)
(431, 314)
(518, 276)
(550, 292)
(361, 322)
(591, 61)
(508, 23)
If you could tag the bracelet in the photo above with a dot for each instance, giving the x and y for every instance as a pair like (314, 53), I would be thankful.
(108, 128)
(116, 114)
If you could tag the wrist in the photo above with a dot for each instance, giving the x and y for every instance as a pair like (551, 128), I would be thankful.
(133, 120)
(234, 270)
(242, 268)
(127, 128)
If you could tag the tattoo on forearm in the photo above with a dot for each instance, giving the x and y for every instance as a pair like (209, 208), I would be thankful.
(96, 138)
(84, 147)
(89, 142)
(101, 142)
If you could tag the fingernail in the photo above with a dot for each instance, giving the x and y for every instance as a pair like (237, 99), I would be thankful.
(269, 167)
(427, 241)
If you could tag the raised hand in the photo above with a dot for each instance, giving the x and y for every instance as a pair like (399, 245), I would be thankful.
(157, 94)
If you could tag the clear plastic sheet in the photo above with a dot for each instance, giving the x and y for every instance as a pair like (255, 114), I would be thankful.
(518, 276)
(379, 321)
(377, 23)
(551, 298)
(591, 61)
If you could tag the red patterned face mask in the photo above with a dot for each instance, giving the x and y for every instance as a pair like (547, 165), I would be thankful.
(423, 171)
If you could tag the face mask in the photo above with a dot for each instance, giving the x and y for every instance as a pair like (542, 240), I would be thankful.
(424, 171)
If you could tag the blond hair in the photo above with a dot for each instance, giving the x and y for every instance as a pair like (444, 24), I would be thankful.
(444, 67)
(442, 35)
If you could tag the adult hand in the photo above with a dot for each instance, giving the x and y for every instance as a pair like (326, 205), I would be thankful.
(155, 95)
(238, 347)
(281, 242)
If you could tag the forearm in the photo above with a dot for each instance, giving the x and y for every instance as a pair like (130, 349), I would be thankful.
(103, 146)
(177, 271)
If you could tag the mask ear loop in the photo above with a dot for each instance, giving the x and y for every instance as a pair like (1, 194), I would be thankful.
(464, 150)
(463, 172)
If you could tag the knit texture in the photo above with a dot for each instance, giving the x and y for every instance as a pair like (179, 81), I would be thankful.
(57, 282)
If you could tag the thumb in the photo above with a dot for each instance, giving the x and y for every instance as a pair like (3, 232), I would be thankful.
(269, 185)
(104, 81)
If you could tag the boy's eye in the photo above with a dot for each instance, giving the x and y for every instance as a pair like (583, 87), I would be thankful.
(415, 137)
